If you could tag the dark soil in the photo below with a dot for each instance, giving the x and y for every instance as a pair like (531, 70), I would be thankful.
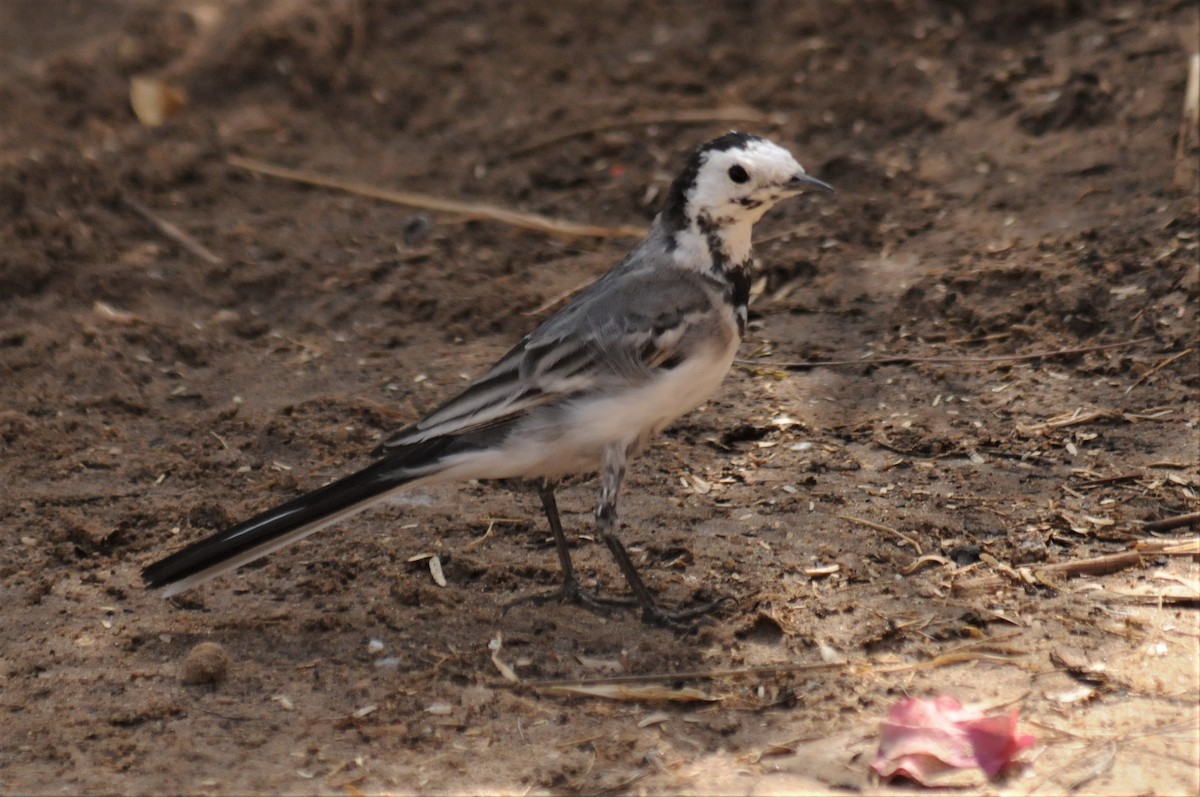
(1012, 179)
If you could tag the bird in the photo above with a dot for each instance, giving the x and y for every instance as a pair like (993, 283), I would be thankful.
(583, 393)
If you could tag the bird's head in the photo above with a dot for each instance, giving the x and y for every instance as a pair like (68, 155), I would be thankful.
(730, 182)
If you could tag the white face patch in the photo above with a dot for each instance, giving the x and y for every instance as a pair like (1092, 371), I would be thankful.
(742, 183)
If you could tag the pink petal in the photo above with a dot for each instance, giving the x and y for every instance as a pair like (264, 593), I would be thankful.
(996, 741)
(921, 738)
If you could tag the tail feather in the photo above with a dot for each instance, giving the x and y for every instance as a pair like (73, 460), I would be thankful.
(273, 529)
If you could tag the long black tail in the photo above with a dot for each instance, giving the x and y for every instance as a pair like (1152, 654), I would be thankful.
(283, 525)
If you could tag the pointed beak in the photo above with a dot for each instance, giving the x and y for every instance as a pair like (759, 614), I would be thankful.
(802, 182)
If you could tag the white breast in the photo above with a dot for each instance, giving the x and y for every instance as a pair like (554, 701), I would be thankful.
(573, 440)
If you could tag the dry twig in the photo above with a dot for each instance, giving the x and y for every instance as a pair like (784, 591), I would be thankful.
(1176, 522)
(667, 677)
(1069, 419)
(938, 360)
(1094, 566)
(1105, 480)
(1158, 368)
(172, 232)
(645, 693)
(479, 210)
(880, 527)
(945, 659)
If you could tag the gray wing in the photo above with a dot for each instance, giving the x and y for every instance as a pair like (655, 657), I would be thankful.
(616, 333)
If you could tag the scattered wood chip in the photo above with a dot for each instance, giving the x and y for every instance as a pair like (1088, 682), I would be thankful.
(694, 483)
(435, 570)
(107, 312)
(1080, 693)
(505, 671)
(657, 718)
(1083, 524)
(830, 654)
(153, 100)
(1077, 663)
(823, 570)
(776, 749)
(590, 663)
(1169, 548)
(921, 561)
(1179, 591)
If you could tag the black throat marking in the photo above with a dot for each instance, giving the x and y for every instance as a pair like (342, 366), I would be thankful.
(738, 293)
(734, 277)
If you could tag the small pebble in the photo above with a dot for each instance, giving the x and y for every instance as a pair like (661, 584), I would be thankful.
(207, 663)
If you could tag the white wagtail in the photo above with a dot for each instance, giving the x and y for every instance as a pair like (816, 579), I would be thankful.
(644, 344)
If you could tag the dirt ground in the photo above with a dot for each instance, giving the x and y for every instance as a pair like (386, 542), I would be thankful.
(1013, 179)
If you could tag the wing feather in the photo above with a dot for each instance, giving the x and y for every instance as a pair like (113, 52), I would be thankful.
(605, 339)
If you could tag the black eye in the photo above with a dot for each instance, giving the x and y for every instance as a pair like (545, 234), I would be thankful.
(738, 174)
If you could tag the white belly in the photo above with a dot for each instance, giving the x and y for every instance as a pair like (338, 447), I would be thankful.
(573, 438)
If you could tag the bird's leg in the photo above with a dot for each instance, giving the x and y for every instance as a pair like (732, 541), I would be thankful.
(606, 526)
(570, 588)
(550, 505)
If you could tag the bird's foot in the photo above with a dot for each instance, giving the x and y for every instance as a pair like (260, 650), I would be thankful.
(682, 619)
(572, 592)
